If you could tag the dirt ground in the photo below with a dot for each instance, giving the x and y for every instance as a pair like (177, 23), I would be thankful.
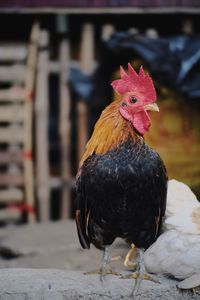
(51, 245)
(47, 262)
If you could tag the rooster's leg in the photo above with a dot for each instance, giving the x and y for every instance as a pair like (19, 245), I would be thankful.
(105, 262)
(140, 272)
(105, 267)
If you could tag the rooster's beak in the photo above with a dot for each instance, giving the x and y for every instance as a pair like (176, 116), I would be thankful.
(152, 107)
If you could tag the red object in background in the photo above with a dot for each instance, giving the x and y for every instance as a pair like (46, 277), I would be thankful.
(23, 207)
(28, 155)
(30, 95)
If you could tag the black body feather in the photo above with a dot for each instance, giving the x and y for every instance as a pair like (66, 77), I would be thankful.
(121, 193)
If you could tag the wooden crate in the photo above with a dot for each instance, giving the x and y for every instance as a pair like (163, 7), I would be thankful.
(17, 71)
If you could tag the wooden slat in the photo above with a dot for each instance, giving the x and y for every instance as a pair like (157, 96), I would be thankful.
(9, 214)
(64, 126)
(11, 157)
(15, 93)
(11, 113)
(12, 134)
(82, 133)
(11, 195)
(29, 86)
(11, 179)
(41, 106)
(14, 73)
(87, 49)
(107, 31)
(13, 52)
(87, 66)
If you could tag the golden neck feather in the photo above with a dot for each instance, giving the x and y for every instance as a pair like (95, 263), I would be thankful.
(110, 130)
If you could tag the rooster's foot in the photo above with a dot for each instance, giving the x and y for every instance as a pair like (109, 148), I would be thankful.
(140, 273)
(99, 272)
(105, 267)
(137, 275)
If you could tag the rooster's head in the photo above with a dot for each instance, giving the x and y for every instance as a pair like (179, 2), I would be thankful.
(138, 97)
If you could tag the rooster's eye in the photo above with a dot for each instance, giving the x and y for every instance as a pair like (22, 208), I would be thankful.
(133, 100)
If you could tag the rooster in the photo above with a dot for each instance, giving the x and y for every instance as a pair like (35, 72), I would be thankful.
(121, 183)
(176, 251)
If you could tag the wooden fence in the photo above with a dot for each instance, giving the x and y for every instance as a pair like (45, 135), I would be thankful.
(17, 79)
(25, 70)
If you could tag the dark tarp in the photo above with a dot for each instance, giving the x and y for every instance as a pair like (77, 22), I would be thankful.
(175, 62)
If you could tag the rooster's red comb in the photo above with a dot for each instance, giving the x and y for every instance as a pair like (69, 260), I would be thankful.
(140, 84)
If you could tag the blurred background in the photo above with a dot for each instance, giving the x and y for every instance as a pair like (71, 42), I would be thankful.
(57, 59)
